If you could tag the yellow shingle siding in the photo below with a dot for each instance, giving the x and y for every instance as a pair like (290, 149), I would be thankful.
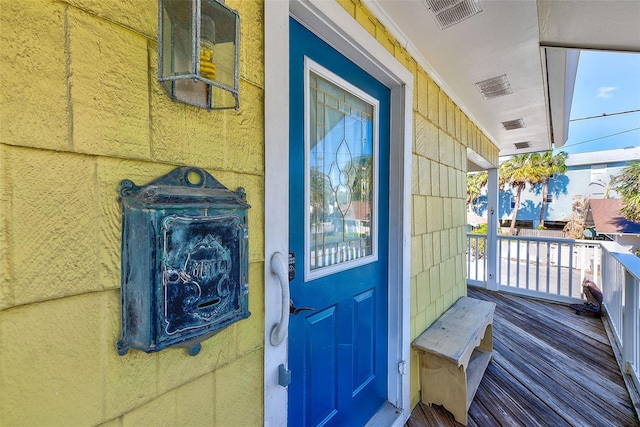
(442, 133)
(80, 111)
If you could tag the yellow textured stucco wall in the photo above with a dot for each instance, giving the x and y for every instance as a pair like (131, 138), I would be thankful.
(442, 134)
(80, 110)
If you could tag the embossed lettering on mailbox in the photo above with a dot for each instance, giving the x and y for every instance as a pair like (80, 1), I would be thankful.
(184, 261)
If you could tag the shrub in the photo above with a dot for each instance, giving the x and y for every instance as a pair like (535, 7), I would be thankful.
(481, 229)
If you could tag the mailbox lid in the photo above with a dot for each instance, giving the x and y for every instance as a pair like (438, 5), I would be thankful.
(182, 188)
(203, 275)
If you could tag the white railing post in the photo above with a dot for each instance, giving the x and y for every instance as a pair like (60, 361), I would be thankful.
(492, 230)
(597, 263)
(629, 321)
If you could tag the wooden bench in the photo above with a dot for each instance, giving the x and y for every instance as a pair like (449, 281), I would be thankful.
(454, 352)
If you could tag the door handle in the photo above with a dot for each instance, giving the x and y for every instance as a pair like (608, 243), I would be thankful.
(279, 268)
(295, 310)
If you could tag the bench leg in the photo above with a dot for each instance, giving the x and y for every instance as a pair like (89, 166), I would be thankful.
(487, 340)
(444, 383)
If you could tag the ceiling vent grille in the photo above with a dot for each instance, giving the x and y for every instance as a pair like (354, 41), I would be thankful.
(522, 145)
(450, 12)
(513, 124)
(495, 87)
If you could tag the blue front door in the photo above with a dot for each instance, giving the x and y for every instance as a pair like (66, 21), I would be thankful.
(338, 193)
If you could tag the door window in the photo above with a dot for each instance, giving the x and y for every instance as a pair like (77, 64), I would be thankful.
(341, 174)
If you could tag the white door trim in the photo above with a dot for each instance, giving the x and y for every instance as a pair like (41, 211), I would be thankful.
(332, 23)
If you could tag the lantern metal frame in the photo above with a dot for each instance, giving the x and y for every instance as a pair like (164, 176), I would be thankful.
(170, 80)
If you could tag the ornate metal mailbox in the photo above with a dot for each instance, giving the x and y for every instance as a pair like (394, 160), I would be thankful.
(184, 260)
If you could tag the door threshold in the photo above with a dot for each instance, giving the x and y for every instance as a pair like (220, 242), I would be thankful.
(388, 416)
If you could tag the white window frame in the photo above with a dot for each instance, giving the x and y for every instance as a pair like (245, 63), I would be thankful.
(598, 172)
(311, 66)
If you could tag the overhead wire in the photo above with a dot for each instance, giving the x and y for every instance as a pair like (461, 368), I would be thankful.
(603, 137)
(604, 115)
(606, 136)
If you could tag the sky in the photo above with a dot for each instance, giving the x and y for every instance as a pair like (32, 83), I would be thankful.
(606, 83)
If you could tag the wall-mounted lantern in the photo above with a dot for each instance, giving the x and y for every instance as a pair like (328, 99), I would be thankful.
(198, 43)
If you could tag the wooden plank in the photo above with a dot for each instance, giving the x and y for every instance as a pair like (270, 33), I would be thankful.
(559, 398)
(547, 364)
(556, 366)
(587, 327)
(503, 408)
(481, 416)
(535, 411)
(581, 350)
(544, 327)
(431, 415)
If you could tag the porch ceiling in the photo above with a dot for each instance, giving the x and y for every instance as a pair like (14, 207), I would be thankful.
(535, 44)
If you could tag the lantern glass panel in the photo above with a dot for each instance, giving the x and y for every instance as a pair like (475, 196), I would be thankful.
(199, 52)
(218, 29)
(219, 26)
(177, 34)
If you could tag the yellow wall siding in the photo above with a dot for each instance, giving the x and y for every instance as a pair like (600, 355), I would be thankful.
(442, 133)
(52, 225)
(33, 66)
(108, 87)
(80, 111)
(52, 371)
(140, 16)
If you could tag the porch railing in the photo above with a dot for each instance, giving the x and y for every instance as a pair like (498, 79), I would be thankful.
(550, 268)
(553, 268)
(621, 273)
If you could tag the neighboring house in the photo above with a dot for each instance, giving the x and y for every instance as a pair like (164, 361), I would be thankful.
(82, 110)
(474, 220)
(605, 216)
(588, 176)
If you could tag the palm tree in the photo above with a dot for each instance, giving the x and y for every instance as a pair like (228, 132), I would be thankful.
(627, 183)
(475, 183)
(607, 187)
(517, 173)
(543, 167)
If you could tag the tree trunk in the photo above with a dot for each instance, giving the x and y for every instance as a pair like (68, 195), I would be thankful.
(512, 229)
(543, 208)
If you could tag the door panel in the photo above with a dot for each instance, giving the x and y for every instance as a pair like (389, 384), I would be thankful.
(322, 360)
(364, 339)
(338, 218)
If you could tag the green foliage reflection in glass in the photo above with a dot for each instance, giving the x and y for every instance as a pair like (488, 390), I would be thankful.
(341, 172)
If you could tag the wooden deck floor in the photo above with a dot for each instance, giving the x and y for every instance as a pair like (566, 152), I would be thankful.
(550, 368)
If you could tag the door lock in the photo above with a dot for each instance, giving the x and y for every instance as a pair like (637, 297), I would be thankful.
(295, 310)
